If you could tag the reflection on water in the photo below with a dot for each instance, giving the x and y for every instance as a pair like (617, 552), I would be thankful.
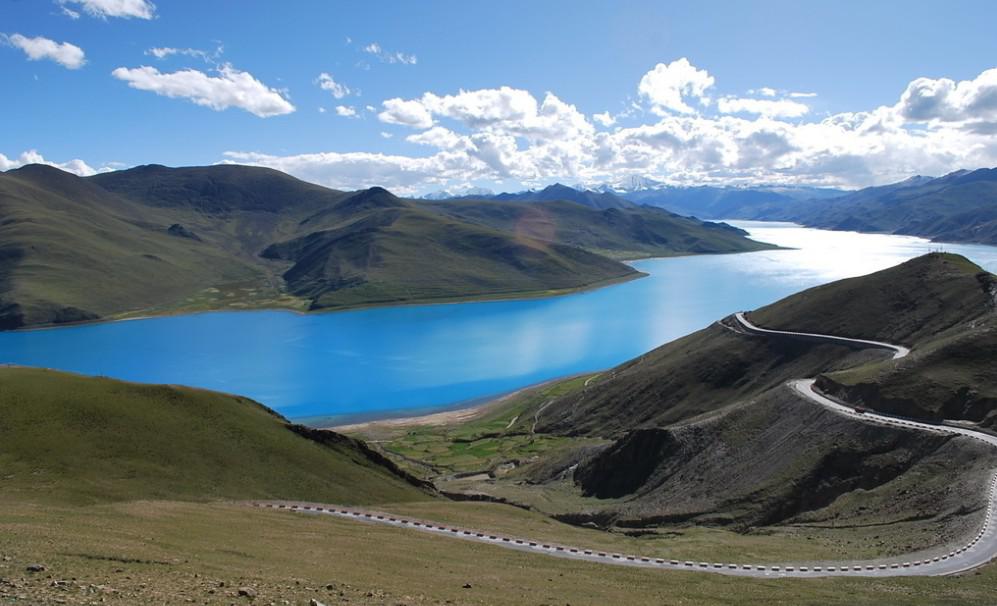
(418, 356)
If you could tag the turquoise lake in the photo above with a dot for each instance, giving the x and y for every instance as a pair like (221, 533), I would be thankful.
(375, 361)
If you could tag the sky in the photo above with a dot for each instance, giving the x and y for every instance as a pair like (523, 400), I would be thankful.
(420, 97)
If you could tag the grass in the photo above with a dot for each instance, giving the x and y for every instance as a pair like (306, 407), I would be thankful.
(171, 552)
(73, 439)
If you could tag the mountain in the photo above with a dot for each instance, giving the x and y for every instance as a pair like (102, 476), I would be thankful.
(71, 250)
(623, 233)
(558, 192)
(642, 448)
(711, 202)
(158, 239)
(959, 207)
(911, 304)
(80, 440)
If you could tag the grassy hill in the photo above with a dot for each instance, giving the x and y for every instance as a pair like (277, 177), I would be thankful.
(619, 232)
(161, 239)
(73, 439)
(643, 447)
(375, 248)
(62, 236)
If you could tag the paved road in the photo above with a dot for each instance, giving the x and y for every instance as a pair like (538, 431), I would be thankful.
(981, 548)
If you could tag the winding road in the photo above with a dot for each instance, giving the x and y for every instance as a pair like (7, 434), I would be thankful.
(978, 550)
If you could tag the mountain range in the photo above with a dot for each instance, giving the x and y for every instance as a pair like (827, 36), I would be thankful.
(154, 239)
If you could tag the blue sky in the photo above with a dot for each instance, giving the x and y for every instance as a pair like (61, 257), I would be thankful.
(504, 95)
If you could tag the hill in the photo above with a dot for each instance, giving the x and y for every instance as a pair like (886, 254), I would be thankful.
(914, 303)
(626, 233)
(643, 447)
(161, 239)
(74, 439)
(556, 192)
(959, 207)
(62, 235)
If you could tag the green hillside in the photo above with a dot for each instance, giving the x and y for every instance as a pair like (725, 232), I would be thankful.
(619, 232)
(162, 240)
(73, 439)
(643, 447)
(71, 251)
(375, 248)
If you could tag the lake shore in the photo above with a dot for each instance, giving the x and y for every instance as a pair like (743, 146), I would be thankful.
(445, 417)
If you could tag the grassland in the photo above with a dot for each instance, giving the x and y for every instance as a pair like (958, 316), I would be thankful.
(181, 552)
(71, 439)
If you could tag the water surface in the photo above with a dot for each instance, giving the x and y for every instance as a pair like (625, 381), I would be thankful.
(412, 357)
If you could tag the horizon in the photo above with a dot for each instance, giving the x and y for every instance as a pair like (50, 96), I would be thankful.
(353, 99)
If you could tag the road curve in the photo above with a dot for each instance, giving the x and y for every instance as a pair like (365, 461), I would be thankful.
(980, 549)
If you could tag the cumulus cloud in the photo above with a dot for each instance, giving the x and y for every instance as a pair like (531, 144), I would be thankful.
(325, 81)
(346, 111)
(773, 108)
(667, 87)
(75, 166)
(605, 119)
(230, 88)
(510, 135)
(65, 54)
(127, 9)
(407, 113)
(388, 56)
(949, 101)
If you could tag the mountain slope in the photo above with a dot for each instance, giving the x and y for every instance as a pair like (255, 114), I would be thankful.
(372, 247)
(712, 410)
(959, 207)
(912, 303)
(710, 202)
(71, 251)
(556, 192)
(618, 232)
(78, 439)
(159, 239)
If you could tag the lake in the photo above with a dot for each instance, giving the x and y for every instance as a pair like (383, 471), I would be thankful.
(369, 362)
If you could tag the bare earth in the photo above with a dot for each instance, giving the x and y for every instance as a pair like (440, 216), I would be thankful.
(446, 417)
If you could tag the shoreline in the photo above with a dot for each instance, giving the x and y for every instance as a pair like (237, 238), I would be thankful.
(458, 413)
(484, 298)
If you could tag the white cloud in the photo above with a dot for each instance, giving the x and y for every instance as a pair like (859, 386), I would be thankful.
(75, 166)
(949, 101)
(764, 91)
(407, 113)
(389, 57)
(230, 88)
(346, 111)
(507, 135)
(772, 108)
(385, 135)
(605, 118)
(127, 9)
(795, 95)
(163, 52)
(666, 87)
(326, 82)
(65, 54)
(355, 170)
